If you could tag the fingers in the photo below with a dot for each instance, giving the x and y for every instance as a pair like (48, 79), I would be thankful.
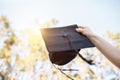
(79, 29)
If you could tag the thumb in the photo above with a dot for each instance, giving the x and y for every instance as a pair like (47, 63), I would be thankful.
(79, 29)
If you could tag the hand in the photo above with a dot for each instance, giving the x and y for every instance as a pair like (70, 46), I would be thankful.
(85, 31)
(110, 51)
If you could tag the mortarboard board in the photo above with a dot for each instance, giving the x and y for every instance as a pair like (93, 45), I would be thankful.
(64, 43)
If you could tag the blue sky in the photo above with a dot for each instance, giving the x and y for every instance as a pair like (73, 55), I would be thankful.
(100, 15)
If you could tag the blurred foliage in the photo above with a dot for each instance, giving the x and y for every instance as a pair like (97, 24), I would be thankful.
(24, 56)
(115, 37)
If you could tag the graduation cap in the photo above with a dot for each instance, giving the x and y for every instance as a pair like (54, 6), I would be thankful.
(64, 44)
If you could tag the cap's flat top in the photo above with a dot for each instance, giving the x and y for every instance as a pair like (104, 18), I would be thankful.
(60, 38)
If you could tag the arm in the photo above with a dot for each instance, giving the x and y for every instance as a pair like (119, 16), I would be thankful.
(111, 52)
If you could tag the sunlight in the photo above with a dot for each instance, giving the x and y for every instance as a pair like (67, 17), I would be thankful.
(23, 55)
